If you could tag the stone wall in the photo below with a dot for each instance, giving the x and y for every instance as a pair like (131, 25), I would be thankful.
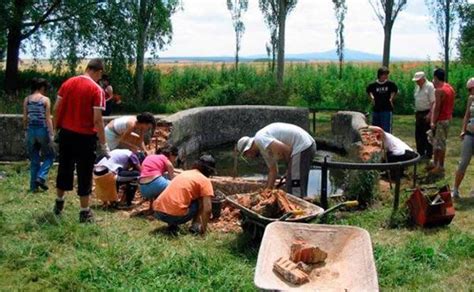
(192, 130)
(13, 143)
(206, 127)
(345, 127)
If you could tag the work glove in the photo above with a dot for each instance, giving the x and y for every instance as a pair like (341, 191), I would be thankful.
(103, 151)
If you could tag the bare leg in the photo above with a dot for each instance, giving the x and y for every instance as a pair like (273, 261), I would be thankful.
(84, 200)
(60, 193)
(458, 179)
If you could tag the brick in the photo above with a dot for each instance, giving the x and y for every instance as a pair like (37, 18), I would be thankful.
(290, 272)
(309, 254)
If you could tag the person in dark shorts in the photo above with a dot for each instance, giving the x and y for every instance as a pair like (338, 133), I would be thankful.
(382, 93)
(78, 119)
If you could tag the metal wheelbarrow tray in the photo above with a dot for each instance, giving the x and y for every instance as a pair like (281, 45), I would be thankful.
(349, 266)
(311, 211)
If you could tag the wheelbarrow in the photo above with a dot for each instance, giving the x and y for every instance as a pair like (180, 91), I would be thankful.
(349, 265)
(254, 224)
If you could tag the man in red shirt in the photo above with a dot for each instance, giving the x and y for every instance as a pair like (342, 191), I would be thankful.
(442, 113)
(78, 118)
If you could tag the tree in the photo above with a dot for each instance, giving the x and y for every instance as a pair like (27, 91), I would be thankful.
(154, 31)
(236, 8)
(387, 11)
(23, 19)
(279, 10)
(271, 20)
(466, 38)
(444, 16)
(340, 9)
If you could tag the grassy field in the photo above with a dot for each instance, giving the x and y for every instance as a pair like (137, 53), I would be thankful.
(41, 252)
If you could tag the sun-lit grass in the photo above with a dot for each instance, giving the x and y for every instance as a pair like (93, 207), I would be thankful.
(41, 252)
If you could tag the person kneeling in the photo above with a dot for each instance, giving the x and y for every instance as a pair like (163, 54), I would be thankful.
(125, 165)
(188, 196)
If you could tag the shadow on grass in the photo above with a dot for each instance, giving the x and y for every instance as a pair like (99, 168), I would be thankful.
(464, 204)
(47, 218)
(244, 246)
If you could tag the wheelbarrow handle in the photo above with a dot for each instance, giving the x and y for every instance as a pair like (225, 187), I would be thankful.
(334, 208)
(285, 216)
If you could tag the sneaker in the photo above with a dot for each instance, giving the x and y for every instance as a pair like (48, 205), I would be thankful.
(455, 194)
(58, 207)
(86, 217)
(42, 184)
(195, 228)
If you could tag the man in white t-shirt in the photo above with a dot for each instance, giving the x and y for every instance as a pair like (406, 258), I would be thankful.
(395, 148)
(424, 99)
(282, 142)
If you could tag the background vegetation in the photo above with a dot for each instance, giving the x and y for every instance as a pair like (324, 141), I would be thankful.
(170, 87)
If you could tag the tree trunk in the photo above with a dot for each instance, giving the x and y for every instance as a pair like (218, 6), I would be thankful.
(387, 30)
(281, 43)
(386, 46)
(14, 39)
(13, 57)
(447, 28)
(141, 39)
(237, 48)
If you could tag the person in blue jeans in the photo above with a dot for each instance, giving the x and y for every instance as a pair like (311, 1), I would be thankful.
(39, 133)
(382, 93)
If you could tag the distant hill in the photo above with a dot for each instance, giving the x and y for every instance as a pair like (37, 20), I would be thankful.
(349, 55)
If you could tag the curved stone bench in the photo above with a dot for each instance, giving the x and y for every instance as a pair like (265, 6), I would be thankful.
(202, 128)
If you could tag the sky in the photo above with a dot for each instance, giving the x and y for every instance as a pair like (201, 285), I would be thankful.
(204, 28)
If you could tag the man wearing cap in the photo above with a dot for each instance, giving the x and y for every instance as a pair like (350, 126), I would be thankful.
(282, 142)
(382, 93)
(78, 117)
(188, 196)
(442, 114)
(424, 99)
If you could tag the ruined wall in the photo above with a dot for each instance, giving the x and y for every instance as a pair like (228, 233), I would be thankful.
(12, 141)
(205, 127)
(192, 130)
(349, 133)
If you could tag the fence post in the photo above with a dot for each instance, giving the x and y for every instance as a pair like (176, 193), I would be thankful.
(324, 184)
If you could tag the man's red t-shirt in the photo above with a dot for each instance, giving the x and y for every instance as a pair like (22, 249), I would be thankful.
(447, 106)
(79, 96)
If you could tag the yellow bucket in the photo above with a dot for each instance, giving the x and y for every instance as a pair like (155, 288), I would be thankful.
(105, 188)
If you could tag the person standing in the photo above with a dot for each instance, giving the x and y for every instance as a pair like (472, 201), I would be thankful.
(442, 113)
(39, 133)
(424, 99)
(382, 93)
(282, 142)
(467, 135)
(109, 95)
(78, 119)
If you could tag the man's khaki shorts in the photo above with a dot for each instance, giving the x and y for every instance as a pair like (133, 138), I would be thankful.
(441, 135)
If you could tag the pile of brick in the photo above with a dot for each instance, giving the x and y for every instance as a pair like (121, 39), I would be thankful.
(228, 221)
(160, 137)
(372, 146)
(302, 261)
(268, 203)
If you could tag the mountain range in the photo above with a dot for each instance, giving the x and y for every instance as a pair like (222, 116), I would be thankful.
(349, 55)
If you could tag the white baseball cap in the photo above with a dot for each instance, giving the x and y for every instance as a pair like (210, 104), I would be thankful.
(470, 83)
(418, 76)
(244, 144)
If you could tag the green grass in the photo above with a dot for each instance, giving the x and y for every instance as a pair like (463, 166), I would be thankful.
(40, 252)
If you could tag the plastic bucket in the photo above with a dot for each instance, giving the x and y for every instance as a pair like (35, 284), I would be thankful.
(105, 188)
